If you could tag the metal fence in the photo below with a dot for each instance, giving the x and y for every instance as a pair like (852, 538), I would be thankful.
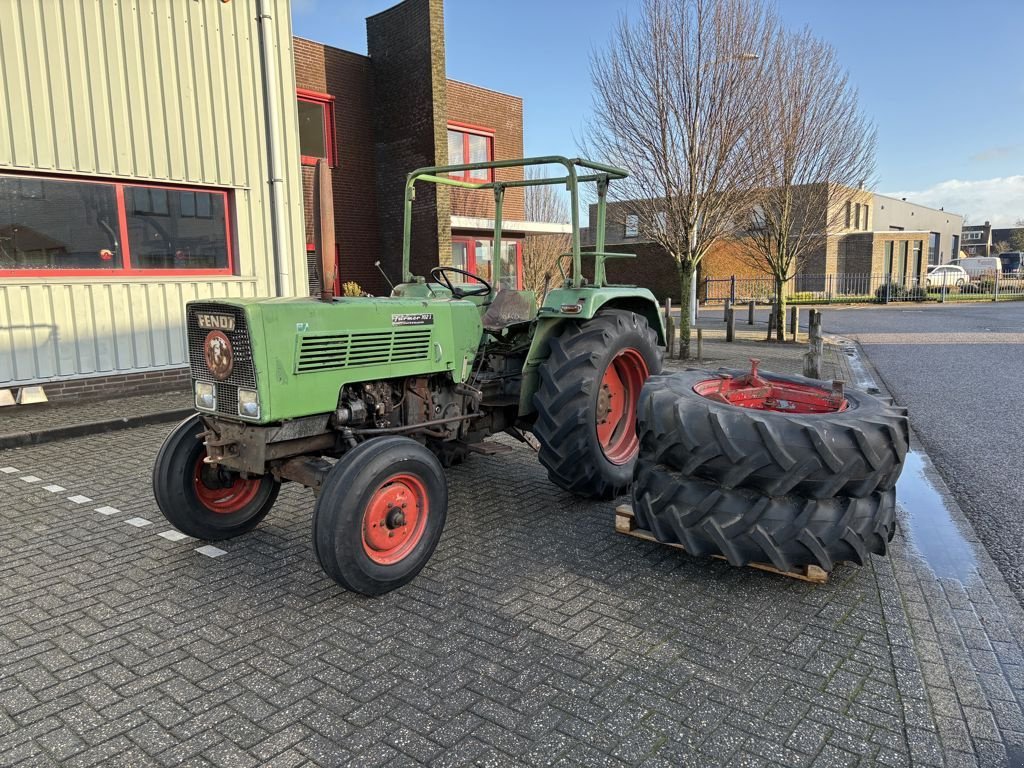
(878, 288)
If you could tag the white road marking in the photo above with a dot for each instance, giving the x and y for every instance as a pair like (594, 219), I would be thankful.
(139, 522)
(32, 479)
(108, 510)
(9, 470)
(210, 551)
(79, 499)
(54, 488)
(173, 535)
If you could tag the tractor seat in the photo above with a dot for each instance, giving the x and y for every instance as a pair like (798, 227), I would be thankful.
(508, 308)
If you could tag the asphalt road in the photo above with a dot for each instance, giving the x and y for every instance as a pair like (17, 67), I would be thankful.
(960, 371)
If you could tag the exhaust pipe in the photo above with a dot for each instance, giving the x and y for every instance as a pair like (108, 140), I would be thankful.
(323, 229)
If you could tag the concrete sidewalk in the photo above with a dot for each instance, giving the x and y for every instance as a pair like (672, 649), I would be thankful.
(48, 422)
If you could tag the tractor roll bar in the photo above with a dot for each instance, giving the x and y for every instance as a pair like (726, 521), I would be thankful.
(572, 179)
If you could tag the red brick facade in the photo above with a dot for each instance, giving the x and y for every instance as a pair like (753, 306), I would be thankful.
(502, 115)
(349, 78)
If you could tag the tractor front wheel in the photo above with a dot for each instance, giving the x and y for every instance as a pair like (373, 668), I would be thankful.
(380, 514)
(204, 500)
(587, 400)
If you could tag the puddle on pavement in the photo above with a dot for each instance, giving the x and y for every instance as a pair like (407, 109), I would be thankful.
(932, 531)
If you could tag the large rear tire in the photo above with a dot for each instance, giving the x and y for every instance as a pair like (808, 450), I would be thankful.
(204, 500)
(380, 514)
(586, 402)
(854, 452)
(747, 527)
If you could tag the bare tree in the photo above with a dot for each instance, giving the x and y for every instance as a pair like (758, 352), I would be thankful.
(541, 250)
(674, 96)
(816, 150)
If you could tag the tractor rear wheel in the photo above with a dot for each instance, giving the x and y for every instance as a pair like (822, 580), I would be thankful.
(204, 500)
(587, 400)
(380, 514)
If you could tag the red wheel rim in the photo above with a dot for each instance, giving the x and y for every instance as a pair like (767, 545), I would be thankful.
(222, 492)
(761, 394)
(395, 519)
(616, 405)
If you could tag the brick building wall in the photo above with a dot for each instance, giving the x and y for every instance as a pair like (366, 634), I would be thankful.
(856, 254)
(349, 78)
(405, 44)
(502, 115)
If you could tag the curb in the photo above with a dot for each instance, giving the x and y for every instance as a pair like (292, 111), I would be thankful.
(54, 434)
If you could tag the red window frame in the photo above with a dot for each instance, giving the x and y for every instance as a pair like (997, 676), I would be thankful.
(122, 229)
(470, 241)
(326, 103)
(466, 129)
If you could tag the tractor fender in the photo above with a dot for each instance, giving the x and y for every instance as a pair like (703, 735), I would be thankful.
(559, 310)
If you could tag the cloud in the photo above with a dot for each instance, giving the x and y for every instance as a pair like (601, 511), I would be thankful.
(999, 200)
(995, 153)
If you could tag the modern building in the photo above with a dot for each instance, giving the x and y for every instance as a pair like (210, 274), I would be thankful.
(179, 165)
(864, 233)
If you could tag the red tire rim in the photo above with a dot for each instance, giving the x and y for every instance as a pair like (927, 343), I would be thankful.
(223, 492)
(616, 405)
(760, 394)
(395, 519)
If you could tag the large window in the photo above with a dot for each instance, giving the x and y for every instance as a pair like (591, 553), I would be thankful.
(470, 144)
(91, 227)
(476, 255)
(316, 127)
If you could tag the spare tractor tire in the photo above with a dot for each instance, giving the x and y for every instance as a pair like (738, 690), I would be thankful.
(777, 435)
(747, 527)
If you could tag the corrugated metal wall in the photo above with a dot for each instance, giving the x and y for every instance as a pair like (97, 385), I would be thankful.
(154, 90)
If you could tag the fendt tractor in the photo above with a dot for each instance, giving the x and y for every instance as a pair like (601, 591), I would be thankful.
(366, 399)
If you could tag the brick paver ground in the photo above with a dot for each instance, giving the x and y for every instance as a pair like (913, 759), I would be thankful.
(535, 636)
(28, 418)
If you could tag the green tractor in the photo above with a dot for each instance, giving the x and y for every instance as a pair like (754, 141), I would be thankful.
(365, 400)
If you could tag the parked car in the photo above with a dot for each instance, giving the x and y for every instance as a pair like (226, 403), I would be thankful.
(1012, 262)
(978, 267)
(949, 275)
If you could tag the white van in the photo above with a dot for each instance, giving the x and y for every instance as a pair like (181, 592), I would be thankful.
(980, 266)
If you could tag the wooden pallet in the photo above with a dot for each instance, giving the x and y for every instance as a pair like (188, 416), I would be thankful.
(625, 523)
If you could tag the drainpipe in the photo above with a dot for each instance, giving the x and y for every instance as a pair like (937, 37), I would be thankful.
(275, 182)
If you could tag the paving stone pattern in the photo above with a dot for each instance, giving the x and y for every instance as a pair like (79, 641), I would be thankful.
(29, 418)
(535, 636)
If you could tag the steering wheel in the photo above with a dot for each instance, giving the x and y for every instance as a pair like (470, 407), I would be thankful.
(439, 275)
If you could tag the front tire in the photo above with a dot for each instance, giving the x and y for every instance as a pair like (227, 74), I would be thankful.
(380, 514)
(586, 403)
(203, 500)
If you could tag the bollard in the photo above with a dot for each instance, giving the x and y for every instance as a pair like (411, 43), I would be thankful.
(815, 346)
(725, 314)
(794, 322)
(730, 324)
(670, 329)
(750, 312)
(771, 320)
(700, 345)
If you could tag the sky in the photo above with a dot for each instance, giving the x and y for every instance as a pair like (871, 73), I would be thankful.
(943, 80)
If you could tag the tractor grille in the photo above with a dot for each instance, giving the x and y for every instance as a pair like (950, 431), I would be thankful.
(329, 351)
(243, 374)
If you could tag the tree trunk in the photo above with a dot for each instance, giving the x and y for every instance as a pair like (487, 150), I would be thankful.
(685, 272)
(780, 309)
